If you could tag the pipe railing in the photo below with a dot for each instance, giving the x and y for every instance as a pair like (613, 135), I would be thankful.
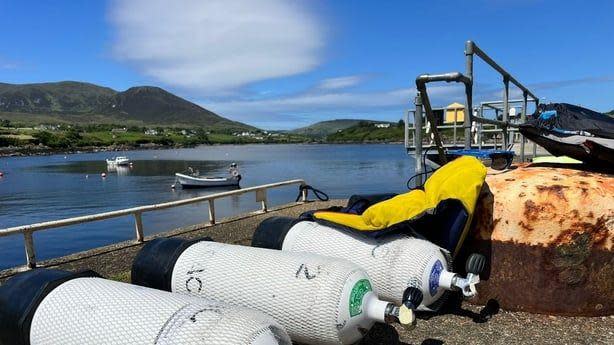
(136, 212)
(422, 103)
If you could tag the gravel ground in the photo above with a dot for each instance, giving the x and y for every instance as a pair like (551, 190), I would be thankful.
(468, 324)
(457, 323)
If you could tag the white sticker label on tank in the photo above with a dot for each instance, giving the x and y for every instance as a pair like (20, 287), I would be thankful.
(359, 291)
(434, 277)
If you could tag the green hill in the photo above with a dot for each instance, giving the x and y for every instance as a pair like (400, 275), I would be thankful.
(325, 128)
(368, 131)
(77, 102)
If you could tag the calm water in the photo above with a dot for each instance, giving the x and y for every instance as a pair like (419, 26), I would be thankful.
(36, 189)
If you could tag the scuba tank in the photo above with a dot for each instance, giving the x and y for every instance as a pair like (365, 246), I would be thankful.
(394, 262)
(48, 307)
(317, 299)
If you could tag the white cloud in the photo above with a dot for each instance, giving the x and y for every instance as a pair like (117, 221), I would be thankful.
(340, 82)
(216, 46)
(293, 111)
(8, 64)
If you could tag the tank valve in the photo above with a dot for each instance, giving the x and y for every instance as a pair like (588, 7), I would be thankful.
(474, 266)
(405, 314)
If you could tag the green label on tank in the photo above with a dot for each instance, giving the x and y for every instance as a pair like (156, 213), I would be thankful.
(359, 291)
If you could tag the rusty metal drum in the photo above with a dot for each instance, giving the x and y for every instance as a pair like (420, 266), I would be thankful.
(548, 234)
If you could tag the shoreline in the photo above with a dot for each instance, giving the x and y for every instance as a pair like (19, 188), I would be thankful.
(32, 151)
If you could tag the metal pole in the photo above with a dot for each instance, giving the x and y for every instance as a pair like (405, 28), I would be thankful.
(304, 195)
(455, 119)
(138, 226)
(480, 127)
(469, 92)
(406, 128)
(418, 137)
(523, 119)
(211, 212)
(30, 254)
(506, 110)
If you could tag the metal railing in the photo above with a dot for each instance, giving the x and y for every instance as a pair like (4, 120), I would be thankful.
(136, 212)
(422, 103)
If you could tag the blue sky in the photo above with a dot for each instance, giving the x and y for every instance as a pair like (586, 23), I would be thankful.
(284, 64)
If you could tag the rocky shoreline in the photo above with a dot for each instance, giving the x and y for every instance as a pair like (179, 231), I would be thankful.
(41, 150)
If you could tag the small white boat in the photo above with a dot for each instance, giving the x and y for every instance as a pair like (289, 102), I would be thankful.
(118, 161)
(190, 181)
(193, 179)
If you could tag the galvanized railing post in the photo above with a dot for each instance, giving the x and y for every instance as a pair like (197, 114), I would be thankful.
(506, 110)
(261, 197)
(469, 51)
(211, 211)
(304, 192)
(454, 130)
(138, 226)
(523, 119)
(418, 137)
(406, 129)
(30, 254)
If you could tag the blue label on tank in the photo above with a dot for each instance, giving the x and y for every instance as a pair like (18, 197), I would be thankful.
(434, 277)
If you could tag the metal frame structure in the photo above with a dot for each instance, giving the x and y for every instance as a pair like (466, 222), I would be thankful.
(136, 212)
(422, 103)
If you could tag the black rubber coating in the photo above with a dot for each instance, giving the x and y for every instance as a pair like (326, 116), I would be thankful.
(412, 297)
(475, 263)
(21, 295)
(271, 232)
(153, 265)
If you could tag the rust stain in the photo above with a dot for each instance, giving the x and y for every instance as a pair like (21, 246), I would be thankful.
(555, 189)
(597, 232)
(533, 211)
(525, 226)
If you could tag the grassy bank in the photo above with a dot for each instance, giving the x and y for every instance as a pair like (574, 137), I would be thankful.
(71, 137)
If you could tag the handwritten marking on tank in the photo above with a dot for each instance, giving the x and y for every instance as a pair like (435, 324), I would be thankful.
(380, 251)
(212, 311)
(172, 326)
(303, 269)
(192, 271)
(195, 280)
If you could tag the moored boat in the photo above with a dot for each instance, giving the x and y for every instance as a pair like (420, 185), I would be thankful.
(189, 181)
(192, 179)
(121, 160)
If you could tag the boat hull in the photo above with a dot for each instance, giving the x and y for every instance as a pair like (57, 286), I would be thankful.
(187, 181)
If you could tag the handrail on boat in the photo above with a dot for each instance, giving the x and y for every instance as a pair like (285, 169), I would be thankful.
(28, 230)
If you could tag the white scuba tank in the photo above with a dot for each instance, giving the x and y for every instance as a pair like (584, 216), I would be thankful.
(48, 307)
(317, 299)
(394, 263)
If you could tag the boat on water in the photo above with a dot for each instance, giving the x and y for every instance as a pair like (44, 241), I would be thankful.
(192, 179)
(118, 161)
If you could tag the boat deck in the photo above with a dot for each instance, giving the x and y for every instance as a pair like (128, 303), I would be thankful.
(459, 323)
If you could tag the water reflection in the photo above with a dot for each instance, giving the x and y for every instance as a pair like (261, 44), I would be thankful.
(37, 189)
(138, 167)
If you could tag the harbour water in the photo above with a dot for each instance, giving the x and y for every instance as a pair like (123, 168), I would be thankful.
(43, 188)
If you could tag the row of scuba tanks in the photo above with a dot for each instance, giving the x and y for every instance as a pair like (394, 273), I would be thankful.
(300, 281)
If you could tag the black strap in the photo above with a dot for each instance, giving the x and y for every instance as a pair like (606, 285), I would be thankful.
(318, 193)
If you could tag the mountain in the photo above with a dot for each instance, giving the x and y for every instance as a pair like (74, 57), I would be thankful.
(324, 128)
(71, 101)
